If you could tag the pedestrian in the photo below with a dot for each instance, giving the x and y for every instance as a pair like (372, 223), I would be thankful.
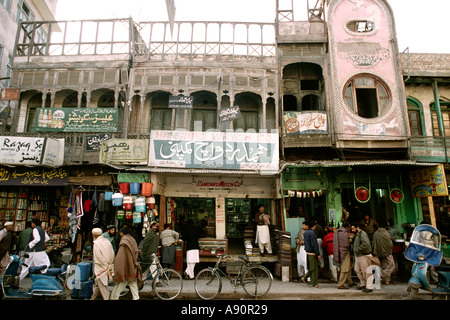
(302, 265)
(341, 250)
(126, 266)
(369, 225)
(382, 249)
(169, 239)
(313, 255)
(110, 235)
(103, 264)
(5, 244)
(262, 231)
(24, 236)
(150, 246)
(191, 234)
(328, 245)
(319, 234)
(36, 249)
(363, 252)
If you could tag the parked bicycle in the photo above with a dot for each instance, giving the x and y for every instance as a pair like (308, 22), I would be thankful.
(253, 277)
(166, 283)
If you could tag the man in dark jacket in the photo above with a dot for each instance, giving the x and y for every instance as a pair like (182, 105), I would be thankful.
(149, 247)
(312, 254)
(363, 252)
(191, 233)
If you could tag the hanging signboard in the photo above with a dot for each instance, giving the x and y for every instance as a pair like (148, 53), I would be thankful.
(429, 182)
(305, 122)
(230, 113)
(9, 94)
(124, 151)
(214, 150)
(31, 151)
(22, 176)
(181, 102)
(94, 141)
(76, 119)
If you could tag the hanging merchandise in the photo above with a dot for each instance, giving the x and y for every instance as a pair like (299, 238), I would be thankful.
(128, 215)
(127, 203)
(150, 202)
(140, 205)
(124, 187)
(135, 187)
(147, 188)
(137, 217)
(117, 199)
(120, 214)
(362, 194)
(108, 194)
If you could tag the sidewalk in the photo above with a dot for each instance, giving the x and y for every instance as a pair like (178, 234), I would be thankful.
(298, 291)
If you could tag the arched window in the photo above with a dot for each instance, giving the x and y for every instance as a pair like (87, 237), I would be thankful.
(366, 95)
(415, 117)
(445, 114)
(205, 110)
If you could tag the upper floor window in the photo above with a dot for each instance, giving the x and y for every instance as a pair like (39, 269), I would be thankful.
(445, 115)
(415, 117)
(366, 95)
(24, 12)
(6, 4)
(360, 26)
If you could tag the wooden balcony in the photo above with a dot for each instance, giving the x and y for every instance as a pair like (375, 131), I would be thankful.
(429, 149)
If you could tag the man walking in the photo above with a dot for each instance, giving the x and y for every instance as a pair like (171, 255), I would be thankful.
(149, 247)
(382, 249)
(126, 266)
(328, 245)
(36, 249)
(313, 255)
(169, 239)
(363, 253)
(110, 235)
(103, 264)
(341, 249)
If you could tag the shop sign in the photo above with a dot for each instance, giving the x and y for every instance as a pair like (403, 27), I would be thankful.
(305, 122)
(216, 184)
(214, 150)
(76, 119)
(94, 141)
(428, 182)
(181, 102)
(22, 176)
(229, 114)
(9, 94)
(124, 151)
(31, 151)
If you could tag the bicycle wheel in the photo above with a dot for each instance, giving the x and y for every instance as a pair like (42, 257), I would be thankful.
(207, 284)
(257, 281)
(167, 284)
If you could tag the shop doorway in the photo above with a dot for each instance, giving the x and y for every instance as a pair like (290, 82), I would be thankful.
(200, 210)
(379, 206)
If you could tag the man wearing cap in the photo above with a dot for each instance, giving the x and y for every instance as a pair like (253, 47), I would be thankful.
(5, 243)
(36, 249)
(150, 246)
(103, 264)
(110, 234)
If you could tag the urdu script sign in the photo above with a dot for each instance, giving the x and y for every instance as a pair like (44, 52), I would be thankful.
(214, 150)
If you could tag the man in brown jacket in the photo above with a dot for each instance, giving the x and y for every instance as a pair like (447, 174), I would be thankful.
(126, 266)
(341, 249)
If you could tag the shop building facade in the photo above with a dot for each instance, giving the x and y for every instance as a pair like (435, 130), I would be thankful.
(310, 114)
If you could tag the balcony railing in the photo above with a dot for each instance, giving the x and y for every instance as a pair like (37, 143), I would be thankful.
(429, 149)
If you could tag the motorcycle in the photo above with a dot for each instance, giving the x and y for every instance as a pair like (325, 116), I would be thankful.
(44, 285)
(424, 250)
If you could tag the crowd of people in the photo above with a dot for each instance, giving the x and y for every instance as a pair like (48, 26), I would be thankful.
(363, 247)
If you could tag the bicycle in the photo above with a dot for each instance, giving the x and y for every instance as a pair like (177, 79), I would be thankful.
(253, 277)
(166, 283)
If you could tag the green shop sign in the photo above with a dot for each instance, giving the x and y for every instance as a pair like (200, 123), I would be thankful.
(76, 119)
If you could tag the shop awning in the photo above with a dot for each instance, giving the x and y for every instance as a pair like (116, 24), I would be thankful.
(331, 163)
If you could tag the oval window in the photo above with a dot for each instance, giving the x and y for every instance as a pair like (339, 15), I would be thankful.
(367, 96)
(360, 26)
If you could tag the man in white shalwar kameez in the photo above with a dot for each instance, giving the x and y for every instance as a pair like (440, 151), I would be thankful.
(302, 265)
(262, 231)
(103, 264)
(36, 249)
